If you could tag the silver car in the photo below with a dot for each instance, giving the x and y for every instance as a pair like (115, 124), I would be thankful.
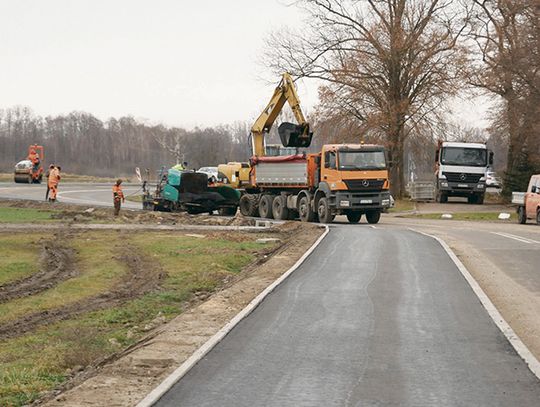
(492, 180)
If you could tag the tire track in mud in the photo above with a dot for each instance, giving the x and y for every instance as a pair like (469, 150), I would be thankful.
(56, 265)
(143, 276)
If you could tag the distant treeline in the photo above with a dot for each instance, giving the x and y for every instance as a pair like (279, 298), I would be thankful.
(83, 144)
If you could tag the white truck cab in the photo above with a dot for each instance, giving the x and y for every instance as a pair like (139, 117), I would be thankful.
(461, 170)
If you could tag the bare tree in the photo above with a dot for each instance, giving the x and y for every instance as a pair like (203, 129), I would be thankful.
(389, 65)
(507, 36)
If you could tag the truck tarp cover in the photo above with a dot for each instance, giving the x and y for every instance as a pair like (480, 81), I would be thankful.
(297, 158)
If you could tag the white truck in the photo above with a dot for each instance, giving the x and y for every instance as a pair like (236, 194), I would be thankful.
(461, 170)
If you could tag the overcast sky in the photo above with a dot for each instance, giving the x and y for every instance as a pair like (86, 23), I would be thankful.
(175, 62)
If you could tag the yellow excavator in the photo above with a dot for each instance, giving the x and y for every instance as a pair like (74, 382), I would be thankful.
(292, 135)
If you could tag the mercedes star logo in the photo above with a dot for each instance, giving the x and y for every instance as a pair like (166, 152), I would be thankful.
(463, 177)
(365, 183)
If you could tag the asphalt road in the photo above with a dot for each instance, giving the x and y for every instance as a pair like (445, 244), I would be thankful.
(83, 193)
(374, 317)
(512, 247)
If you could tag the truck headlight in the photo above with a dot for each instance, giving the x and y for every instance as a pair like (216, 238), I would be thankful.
(444, 184)
(480, 186)
(344, 203)
(386, 202)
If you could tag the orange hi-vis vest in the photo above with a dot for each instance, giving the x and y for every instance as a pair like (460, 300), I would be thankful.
(54, 177)
(117, 192)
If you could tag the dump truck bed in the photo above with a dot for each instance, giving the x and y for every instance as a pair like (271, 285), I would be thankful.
(281, 171)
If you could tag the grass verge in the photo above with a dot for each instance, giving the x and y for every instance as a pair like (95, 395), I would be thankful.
(134, 198)
(26, 215)
(402, 205)
(49, 355)
(19, 259)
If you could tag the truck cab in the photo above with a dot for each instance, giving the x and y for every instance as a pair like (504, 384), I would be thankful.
(461, 170)
(354, 177)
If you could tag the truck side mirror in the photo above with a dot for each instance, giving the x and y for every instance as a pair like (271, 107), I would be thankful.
(491, 158)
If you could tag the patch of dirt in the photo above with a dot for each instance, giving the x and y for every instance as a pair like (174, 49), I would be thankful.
(56, 266)
(143, 276)
(126, 378)
(85, 214)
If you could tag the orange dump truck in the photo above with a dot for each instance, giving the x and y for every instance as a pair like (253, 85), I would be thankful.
(342, 179)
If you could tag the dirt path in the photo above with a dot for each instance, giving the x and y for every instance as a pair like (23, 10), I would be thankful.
(134, 373)
(143, 276)
(56, 266)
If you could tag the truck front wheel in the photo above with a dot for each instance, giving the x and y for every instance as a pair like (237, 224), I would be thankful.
(324, 212)
(442, 197)
(305, 212)
(522, 217)
(354, 217)
(373, 216)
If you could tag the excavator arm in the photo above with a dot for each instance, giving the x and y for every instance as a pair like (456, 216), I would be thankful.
(291, 135)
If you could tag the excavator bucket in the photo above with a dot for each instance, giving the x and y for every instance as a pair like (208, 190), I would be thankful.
(294, 135)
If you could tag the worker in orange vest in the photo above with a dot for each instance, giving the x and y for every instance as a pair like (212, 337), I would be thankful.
(47, 175)
(54, 179)
(118, 197)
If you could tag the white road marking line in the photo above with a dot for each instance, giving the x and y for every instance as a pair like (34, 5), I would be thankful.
(530, 360)
(373, 227)
(181, 371)
(518, 238)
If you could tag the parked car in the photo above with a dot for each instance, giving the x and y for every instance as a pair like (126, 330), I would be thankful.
(212, 173)
(528, 202)
(492, 180)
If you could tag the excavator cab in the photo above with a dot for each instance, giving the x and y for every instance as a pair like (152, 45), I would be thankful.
(295, 135)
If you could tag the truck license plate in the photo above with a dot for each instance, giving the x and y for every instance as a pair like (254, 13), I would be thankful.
(463, 185)
(366, 201)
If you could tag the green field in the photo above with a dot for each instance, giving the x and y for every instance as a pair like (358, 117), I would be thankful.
(46, 355)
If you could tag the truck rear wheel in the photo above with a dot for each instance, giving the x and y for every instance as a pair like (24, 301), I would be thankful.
(324, 212)
(354, 217)
(373, 216)
(522, 217)
(279, 208)
(249, 205)
(265, 206)
(305, 212)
